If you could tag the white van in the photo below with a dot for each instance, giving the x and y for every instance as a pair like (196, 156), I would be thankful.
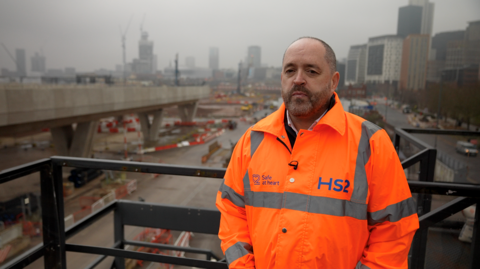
(466, 148)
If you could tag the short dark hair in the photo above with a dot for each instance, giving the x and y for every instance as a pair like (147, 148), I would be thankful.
(329, 53)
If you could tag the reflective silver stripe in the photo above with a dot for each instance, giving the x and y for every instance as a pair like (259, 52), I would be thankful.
(246, 181)
(232, 195)
(264, 199)
(361, 266)
(306, 203)
(255, 139)
(237, 251)
(360, 185)
(393, 213)
(325, 205)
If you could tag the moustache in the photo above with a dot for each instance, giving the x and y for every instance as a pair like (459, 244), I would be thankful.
(299, 88)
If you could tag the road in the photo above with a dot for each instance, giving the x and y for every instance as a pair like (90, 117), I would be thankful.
(445, 144)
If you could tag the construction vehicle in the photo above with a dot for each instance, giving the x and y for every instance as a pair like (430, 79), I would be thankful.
(246, 107)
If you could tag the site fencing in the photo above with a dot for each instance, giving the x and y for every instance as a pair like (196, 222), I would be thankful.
(91, 204)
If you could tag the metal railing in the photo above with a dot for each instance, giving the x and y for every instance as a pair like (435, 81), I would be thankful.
(54, 246)
(425, 187)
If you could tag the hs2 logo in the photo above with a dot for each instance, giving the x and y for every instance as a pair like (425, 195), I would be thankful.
(340, 184)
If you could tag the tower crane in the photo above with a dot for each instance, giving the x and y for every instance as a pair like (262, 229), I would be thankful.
(141, 24)
(123, 38)
(15, 61)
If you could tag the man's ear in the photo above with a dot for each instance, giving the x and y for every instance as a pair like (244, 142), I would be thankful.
(335, 80)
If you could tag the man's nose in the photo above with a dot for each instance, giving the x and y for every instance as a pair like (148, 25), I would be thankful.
(299, 79)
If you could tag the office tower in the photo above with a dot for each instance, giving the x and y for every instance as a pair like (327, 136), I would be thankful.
(355, 66)
(190, 61)
(145, 62)
(384, 58)
(38, 63)
(427, 15)
(21, 62)
(440, 41)
(414, 62)
(213, 58)
(409, 20)
(254, 56)
(472, 43)
(455, 54)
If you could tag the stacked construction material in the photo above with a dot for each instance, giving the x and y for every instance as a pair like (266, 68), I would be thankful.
(80, 176)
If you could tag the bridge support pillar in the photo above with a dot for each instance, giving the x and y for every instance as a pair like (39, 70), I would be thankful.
(150, 130)
(187, 112)
(75, 143)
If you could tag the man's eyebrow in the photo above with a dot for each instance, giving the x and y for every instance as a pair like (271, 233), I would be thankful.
(288, 65)
(313, 66)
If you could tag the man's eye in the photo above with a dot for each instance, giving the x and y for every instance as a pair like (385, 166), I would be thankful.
(312, 72)
(288, 71)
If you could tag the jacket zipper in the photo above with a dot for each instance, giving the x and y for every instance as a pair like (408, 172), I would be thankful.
(284, 145)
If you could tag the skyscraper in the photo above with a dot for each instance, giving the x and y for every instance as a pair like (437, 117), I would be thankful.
(213, 58)
(427, 15)
(384, 58)
(472, 43)
(355, 66)
(145, 62)
(414, 62)
(254, 56)
(21, 62)
(409, 20)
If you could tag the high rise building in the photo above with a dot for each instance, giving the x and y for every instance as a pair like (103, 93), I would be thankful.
(472, 43)
(414, 62)
(455, 56)
(384, 58)
(146, 62)
(21, 62)
(427, 15)
(355, 65)
(38, 63)
(190, 61)
(409, 20)
(254, 56)
(213, 58)
(440, 41)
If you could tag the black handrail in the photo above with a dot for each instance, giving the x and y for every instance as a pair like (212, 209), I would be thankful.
(206, 221)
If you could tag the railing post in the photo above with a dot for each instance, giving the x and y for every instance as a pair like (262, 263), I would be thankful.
(396, 142)
(53, 217)
(424, 203)
(119, 234)
(476, 240)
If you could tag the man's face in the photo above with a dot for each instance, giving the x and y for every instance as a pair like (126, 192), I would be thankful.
(307, 82)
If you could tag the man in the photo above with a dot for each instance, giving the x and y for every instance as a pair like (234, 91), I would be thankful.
(312, 186)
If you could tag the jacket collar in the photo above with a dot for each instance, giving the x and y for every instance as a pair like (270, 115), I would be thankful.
(274, 124)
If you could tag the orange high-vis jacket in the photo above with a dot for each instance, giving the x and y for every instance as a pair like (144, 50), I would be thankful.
(346, 203)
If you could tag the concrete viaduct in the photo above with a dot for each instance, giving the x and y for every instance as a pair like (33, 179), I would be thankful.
(27, 109)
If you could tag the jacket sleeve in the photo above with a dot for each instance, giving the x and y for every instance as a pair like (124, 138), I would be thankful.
(234, 233)
(392, 217)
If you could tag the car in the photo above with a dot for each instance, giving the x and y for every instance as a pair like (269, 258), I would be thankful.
(466, 148)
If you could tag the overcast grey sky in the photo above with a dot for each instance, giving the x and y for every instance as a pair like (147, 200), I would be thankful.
(85, 34)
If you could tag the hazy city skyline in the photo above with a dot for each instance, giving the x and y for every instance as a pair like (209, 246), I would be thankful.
(85, 34)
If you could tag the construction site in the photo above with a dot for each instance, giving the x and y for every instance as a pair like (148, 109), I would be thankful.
(207, 140)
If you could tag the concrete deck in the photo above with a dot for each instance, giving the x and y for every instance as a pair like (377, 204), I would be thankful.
(29, 108)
